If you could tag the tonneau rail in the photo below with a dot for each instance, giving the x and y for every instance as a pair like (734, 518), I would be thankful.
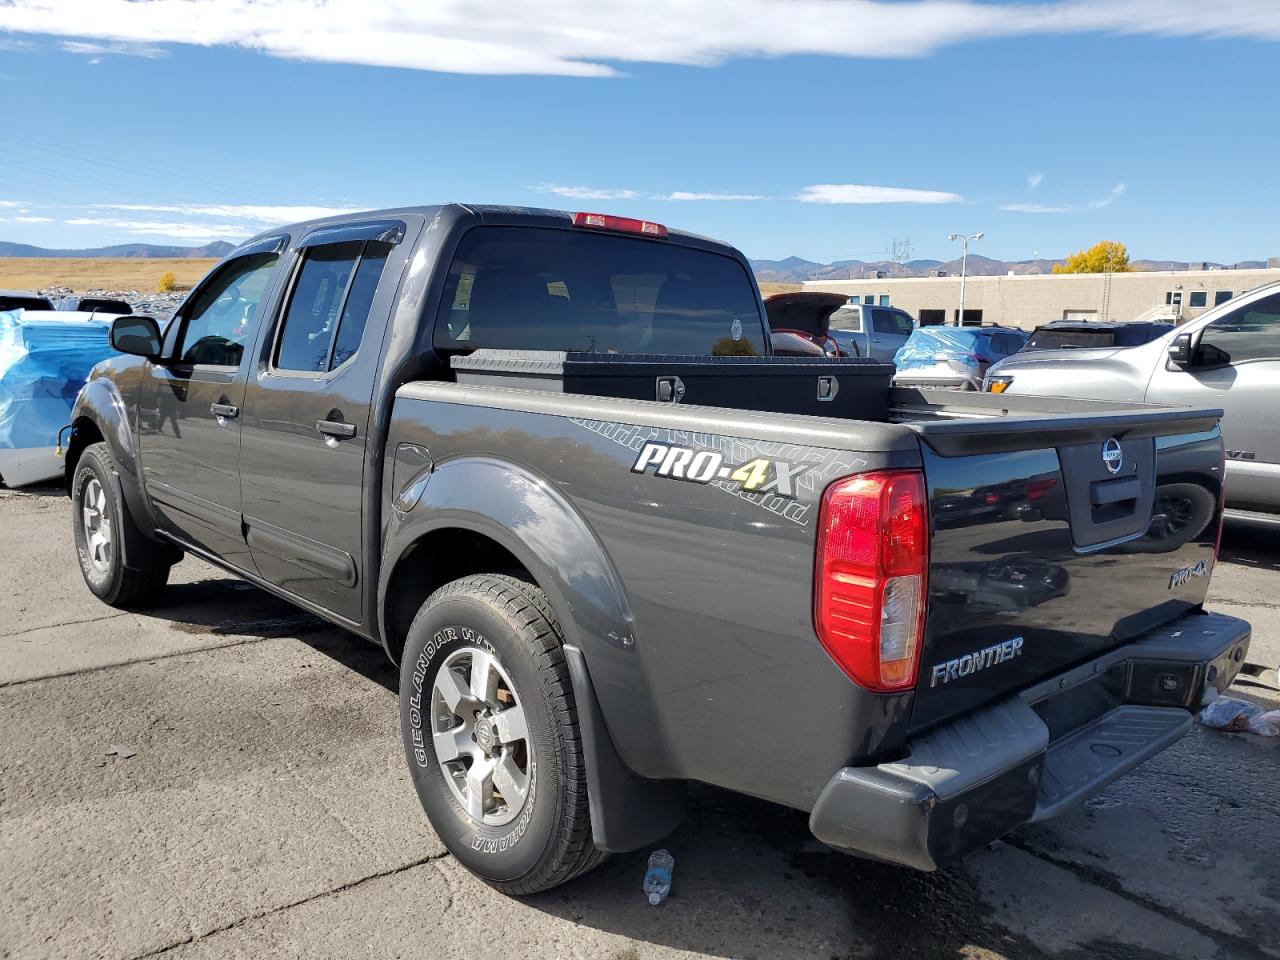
(960, 423)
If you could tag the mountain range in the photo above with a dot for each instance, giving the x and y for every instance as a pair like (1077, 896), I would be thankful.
(796, 269)
(139, 251)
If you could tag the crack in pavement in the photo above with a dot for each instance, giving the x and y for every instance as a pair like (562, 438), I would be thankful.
(262, 914)
(64, 623)
(1265, 604)
(137, 660)
(1237, 947)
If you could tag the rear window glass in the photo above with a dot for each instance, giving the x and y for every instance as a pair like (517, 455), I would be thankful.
(526, 288)
(847, 318)
(1006, 344)
(25, 303)
(1065, 339)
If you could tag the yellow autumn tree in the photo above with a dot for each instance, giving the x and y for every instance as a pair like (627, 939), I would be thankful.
(1105, 256)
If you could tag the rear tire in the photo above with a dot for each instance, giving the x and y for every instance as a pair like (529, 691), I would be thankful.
(1180, 512)
(491, 734)
(99, 523)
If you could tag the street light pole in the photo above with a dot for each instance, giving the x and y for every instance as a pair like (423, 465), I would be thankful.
(964, 266)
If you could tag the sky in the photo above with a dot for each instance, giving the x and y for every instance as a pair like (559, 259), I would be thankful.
(824, 129)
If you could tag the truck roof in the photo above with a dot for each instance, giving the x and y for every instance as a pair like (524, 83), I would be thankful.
(477, 214)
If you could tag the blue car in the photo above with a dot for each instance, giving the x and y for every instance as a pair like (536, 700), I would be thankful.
(956, 357)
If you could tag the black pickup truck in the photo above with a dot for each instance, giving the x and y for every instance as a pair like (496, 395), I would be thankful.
(547, 461)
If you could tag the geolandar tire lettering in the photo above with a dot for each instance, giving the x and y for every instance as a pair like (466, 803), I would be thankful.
(491, 734)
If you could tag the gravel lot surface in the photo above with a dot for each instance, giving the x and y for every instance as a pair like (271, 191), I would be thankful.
(222, 777)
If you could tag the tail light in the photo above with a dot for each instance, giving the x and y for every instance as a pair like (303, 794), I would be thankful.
(872, 577)
(605, 221)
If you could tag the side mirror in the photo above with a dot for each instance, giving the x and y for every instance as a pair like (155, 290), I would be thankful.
(1180, 350)
(136, 335)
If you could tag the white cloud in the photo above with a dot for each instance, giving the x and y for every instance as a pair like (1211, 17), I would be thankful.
(1034, 180)
(124, 49)
(12, 204)
(1035, 208)
(33, 219)
(587, 193)
(174, 230)
(255, 213)
(1116, 193)
(685, 195)
(861, 193)
(587, 37)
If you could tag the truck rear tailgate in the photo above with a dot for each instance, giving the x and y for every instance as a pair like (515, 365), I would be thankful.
(1054, 540)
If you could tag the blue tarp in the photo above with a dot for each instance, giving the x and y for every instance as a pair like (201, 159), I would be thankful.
(43, 365)
(927, 345)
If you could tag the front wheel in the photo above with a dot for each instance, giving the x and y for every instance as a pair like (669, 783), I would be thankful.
(99, 525)
(491, 734)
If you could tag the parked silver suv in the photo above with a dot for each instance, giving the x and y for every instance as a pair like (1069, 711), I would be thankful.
(1228, 358)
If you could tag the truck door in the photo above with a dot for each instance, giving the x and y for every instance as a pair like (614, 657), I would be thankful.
(189, 411)
(1236, 366)
(889, 331)
(306, 416)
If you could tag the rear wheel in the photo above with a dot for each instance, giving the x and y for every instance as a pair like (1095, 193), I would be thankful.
(99, 524)
(491, 734)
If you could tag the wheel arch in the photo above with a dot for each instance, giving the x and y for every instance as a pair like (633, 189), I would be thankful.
(504, 517)
(478, 515)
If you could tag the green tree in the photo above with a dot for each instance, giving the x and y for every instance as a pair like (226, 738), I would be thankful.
(1105, 256)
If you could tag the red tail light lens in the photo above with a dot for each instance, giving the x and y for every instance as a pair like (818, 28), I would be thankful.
(604, 221)
(872, 577)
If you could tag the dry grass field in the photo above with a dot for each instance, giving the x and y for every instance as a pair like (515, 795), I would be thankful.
(768, 289)
(34, 273)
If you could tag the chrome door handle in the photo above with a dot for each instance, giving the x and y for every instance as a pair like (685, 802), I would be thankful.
(336, 428)
(224, 411)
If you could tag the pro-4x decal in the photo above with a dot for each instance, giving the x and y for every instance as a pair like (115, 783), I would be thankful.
(762, 475)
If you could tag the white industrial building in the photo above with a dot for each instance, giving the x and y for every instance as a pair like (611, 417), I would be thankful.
(1028, 300)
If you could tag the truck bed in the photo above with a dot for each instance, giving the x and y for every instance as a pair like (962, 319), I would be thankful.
(719, 579)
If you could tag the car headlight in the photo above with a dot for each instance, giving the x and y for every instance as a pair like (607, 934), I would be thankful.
(998, 384)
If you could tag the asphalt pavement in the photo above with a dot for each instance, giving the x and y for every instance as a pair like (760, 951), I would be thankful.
(222, 777)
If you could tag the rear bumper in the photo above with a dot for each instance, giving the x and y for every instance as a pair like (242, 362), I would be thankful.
(1034, 755)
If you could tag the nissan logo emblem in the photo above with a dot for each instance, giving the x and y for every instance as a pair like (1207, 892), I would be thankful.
(1112, 455)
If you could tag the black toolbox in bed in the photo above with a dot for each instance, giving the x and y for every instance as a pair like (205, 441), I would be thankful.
(854, 388)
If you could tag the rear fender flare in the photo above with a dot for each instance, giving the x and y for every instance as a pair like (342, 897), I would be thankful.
(523, 513)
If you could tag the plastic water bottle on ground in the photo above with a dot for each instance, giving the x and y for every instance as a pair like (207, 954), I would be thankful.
(657, 879)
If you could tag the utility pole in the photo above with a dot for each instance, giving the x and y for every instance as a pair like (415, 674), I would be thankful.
(964, 267)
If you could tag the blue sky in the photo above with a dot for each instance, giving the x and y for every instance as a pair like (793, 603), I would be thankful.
(780, 127)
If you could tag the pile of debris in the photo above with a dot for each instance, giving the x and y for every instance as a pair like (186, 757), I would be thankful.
(158, 305)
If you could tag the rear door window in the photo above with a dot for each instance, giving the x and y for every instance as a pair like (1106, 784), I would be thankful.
(329, 306)
(892, 322)
(526, 288)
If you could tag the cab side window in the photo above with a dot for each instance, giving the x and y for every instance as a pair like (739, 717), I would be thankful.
(329, 305)
(891, 321)
(1249, 333)
(222, 315)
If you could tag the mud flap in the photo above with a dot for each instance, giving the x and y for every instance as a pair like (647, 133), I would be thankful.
(627, 812)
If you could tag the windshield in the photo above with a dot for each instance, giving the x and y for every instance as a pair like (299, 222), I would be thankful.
(529, 288)
(1067, 339)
